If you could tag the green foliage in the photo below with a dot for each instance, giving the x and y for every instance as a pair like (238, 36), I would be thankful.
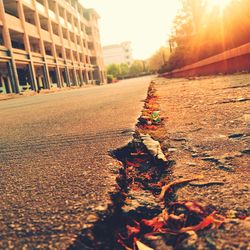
(113, 69)
(136, 67)
(110, 78)
(124, 69)
(121, 71)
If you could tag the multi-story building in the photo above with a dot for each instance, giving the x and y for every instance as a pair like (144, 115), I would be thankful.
(118, 53)
(48, 43)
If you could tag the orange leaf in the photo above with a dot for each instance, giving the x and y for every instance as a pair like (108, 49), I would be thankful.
(206, 222)
(156, 223)
(133, 230)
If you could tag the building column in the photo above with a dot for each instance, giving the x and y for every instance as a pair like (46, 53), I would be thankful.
(12, 71)
(7, 42)
(59, 84)
(81, 77)
(62, 42)
(42, 49)
(86, 78)
(91, 77)
(27, 45)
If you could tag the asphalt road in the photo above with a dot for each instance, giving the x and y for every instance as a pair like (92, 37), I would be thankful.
(54, 160)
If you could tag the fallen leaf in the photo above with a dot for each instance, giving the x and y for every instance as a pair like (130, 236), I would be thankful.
(129, 163)
(156, 223)
(174, 183)
(133, 230)
(205, 223)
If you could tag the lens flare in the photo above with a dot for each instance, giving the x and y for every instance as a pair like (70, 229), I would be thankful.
(222, 4)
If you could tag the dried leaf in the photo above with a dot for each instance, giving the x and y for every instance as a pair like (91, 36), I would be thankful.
(194, 207)
(165, 215)
(205, 223)
(129, 163)
(174, 183)
(156, 223)
(133, 230)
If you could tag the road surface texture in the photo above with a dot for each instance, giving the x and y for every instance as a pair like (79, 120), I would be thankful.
(207, 132)
(54, 162)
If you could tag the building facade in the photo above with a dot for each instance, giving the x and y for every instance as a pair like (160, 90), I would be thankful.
(48, 43)
(118, 53)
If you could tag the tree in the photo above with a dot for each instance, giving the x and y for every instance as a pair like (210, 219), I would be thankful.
(136, 67)
(159, 59)
(113, 69)
(201, 30)
(124, 69)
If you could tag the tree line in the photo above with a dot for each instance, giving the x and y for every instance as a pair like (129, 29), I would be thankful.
(201, 30)
(123, 70)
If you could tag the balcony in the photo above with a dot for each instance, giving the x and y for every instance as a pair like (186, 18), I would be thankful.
(66, 43)
(28, 3)
(50, 59)
(62, 21)
(61, 61)
(57, 40)
(4, 52)
(14, 23)
(52, 16)
(37, 58)
(41, 9)
(21, 55)
(79, 48)
(45, 35)
(70, 26)
(31, 30)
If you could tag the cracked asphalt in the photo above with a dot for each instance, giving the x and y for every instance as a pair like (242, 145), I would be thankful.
(54, 161)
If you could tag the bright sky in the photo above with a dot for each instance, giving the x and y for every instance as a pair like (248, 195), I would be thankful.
(146, 23)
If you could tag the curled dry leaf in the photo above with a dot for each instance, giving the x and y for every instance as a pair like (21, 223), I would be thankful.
(203, 224)
(133, 230)
(156, 223)
(174, 183)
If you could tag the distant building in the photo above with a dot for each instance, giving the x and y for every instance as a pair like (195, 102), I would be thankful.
(118, 53)
(45, 43)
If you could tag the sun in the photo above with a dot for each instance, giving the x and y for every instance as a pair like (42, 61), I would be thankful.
(222, 4)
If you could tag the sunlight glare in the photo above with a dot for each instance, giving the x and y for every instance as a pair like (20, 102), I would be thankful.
(219, 3)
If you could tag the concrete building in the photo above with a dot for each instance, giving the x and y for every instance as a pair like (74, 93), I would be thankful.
(118, 53)
(48, 43)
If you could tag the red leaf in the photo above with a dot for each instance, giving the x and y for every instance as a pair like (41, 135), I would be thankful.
(205, 223)
(129, 163)
(133, 230)
(156, 223)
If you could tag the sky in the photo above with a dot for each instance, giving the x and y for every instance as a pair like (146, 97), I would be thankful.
(145, 23)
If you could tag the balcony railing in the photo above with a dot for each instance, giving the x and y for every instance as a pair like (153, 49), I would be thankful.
(52, 15)
(14, 23)
(32, 30)
(40, 8)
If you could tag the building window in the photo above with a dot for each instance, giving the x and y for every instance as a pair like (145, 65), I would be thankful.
(1, 36)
